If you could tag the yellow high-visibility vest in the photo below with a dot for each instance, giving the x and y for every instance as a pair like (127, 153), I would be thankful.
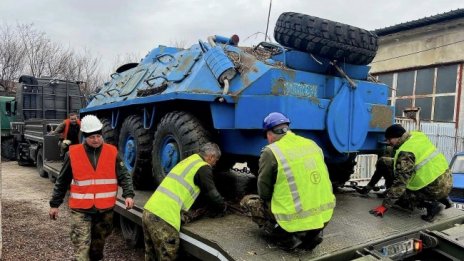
(176, 192)
(302, 198)
(430, 163)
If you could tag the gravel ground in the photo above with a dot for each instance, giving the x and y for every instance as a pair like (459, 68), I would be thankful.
(27, 231)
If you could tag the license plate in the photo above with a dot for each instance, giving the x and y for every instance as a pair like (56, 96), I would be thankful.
(398, 249)
(458, 205)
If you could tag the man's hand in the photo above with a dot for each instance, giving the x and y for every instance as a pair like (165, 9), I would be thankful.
(379, 211)
(129, 203)
(53, 213)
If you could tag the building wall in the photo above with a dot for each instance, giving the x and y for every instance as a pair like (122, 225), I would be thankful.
(430, 45)
(424, 68)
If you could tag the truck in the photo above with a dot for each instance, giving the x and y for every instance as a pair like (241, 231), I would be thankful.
(39, 106)
(6, 103)
(457, 168)
(159, 111)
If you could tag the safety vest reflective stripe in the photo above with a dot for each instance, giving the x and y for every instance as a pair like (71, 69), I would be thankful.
(91, 195)
(184, 183)
(429, 158)
(290, 177)
(189, 167)
(173, 196)
(306, 213)
(94, 182)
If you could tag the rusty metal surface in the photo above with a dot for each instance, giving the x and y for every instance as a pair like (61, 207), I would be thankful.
(381, 116)
(352, 227)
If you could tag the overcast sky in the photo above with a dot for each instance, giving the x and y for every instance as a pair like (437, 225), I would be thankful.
(117, 27)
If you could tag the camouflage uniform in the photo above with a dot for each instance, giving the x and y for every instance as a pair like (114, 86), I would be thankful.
(263, 217)
(88, 233)
(161, 239)
(404, 170)
(383, 169)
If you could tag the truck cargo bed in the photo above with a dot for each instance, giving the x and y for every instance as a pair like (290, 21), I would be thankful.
(236, 237)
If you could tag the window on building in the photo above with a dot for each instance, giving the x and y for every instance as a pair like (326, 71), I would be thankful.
(400, 105)
(426, 107)
(444, 108)
(405, 83)
(388, 80)
(424, 81)
(446, 79)
(433, 89)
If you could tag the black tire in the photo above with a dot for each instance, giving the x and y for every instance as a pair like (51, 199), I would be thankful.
(137, 161)
(329, 39)
(39, 164)
(340, 173)
(110, 135)
(131, 232)
(51, 178)
(19, 159)
(185, 134)
(8, 149)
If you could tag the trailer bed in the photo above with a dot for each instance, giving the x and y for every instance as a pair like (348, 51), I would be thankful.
(236, 237)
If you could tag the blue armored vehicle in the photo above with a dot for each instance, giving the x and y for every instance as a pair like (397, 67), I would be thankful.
(162, 109)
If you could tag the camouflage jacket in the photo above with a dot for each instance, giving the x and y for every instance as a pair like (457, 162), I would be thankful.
(403, 171)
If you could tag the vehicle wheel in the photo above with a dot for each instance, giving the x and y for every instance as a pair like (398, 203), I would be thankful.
(21, 161)
(135, 148)
(179, 135)
(39, 164)
(131, 232)
(329, 39)
(340, 173)
(51, 178)
(109, 134)
(8, 150)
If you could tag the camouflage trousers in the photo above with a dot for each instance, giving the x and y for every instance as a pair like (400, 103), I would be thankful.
(161, 239)
(437, 190)
(263, 217)
(89, 232)
(383, 169)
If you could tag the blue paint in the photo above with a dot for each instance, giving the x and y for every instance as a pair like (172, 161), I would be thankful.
(457, 169)
(170, 154)
(130, 153)
(320, 102)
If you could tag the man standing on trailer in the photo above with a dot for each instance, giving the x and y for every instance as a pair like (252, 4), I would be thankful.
(69, 130)
(93, 170)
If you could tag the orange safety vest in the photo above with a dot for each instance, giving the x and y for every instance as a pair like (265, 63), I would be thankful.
(67, 122)
(93, 187)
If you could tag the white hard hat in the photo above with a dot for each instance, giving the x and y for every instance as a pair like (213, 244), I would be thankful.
(90, 123)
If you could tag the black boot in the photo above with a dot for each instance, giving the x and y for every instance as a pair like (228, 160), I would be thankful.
(289, 243)
(433, 208)
(446, 201)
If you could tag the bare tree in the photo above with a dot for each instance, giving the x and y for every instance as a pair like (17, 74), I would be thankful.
(11, 56)
(124, 59)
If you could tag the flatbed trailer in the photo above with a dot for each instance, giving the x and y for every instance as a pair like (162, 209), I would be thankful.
(352, 234)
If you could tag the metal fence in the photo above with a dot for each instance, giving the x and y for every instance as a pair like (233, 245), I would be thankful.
(444, 136)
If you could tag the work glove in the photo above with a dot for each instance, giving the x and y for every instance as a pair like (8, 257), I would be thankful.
(378, 211)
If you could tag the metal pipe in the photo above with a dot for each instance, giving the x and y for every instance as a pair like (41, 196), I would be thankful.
(211, 40)
(226, 87)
